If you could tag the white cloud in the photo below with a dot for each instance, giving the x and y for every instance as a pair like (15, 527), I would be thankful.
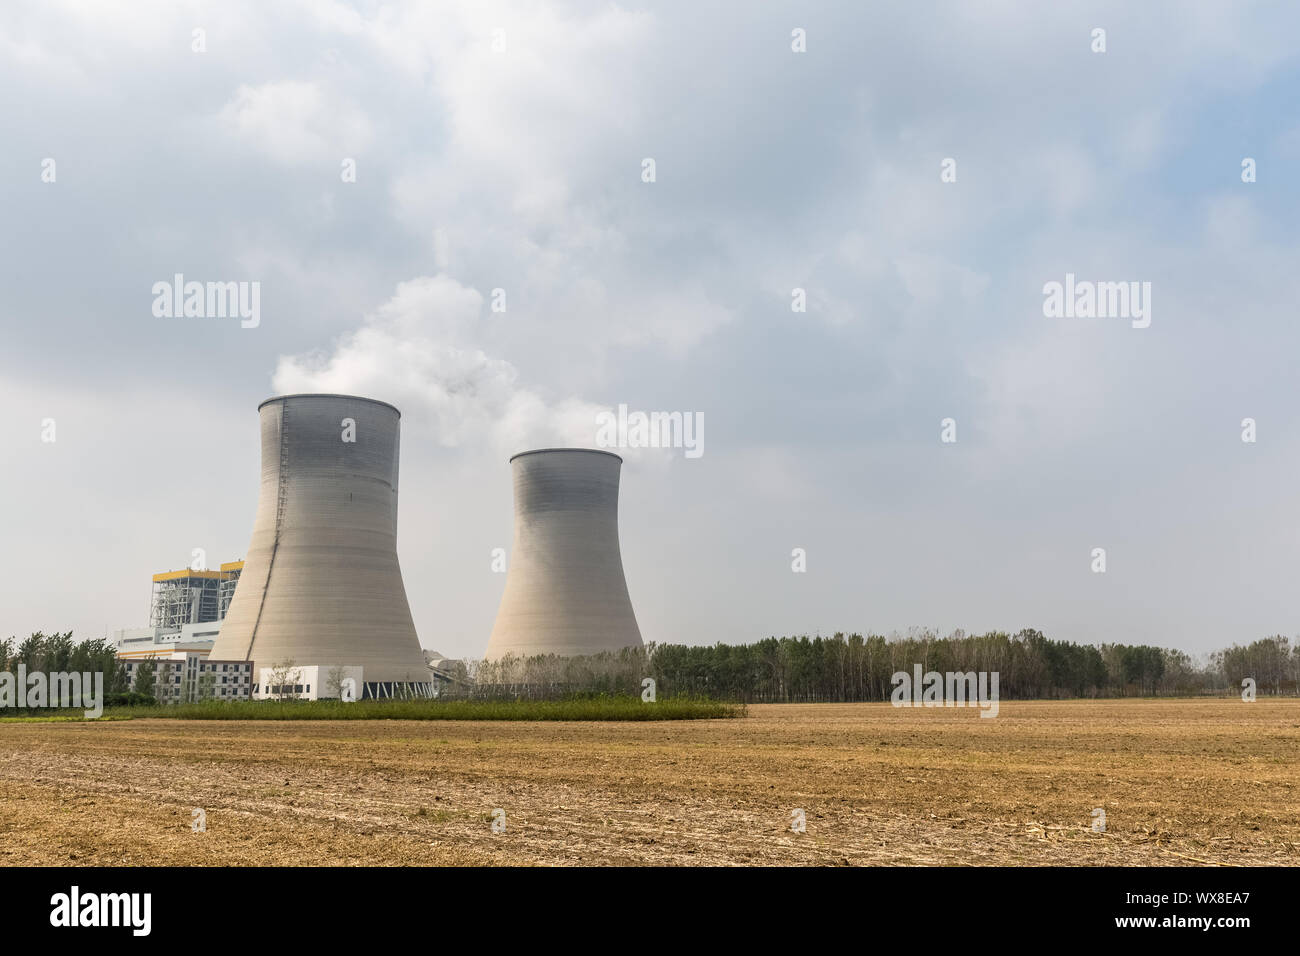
(294, 122)
(520, 169)
(417, 351)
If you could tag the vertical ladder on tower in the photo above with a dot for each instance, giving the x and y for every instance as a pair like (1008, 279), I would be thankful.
(281, 502)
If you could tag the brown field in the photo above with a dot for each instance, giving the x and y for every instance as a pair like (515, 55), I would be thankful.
(1182, 782)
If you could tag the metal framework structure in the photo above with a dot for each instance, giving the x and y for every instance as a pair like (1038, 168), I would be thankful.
(192, 597)
(226, 590)
(185, 597)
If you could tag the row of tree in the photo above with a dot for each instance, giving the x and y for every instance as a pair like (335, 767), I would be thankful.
(857, 668)
(838, 668)
(59, 653)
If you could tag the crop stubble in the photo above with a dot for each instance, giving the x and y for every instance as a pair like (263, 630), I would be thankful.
(1181, 781)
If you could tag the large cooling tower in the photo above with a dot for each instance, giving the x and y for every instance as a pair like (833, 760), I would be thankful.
(321, 583)
(565, 591)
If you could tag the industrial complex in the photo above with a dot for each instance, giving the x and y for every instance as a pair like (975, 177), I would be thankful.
(184, 620)
(187, 614)
(319, 599)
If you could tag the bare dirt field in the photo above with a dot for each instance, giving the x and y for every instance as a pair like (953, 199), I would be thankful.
(1181, 782)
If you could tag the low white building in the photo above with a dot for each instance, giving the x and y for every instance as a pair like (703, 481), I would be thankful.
(309, 682)
(142, 642)
(186, 676)
(182, 670)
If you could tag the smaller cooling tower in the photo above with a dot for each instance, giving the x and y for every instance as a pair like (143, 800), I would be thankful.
(565, 591)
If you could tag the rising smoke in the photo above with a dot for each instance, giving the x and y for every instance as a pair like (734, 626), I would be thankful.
(418, 351)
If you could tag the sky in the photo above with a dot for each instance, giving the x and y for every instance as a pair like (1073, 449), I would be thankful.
(502, 146)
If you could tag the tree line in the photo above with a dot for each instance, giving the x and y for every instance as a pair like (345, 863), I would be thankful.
(857, 668)
(799, 669)
(59, 653)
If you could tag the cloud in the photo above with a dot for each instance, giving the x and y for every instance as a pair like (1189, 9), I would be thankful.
(417, 351)
(519, 168)
(295, 122)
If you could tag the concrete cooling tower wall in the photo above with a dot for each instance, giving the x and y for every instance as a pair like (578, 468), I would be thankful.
(565, 591)
(321, 584)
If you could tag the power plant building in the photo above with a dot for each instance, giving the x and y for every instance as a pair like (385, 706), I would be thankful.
(185, 614)
(321, 585)
(185, 676)
(192, 597)
(565, 591)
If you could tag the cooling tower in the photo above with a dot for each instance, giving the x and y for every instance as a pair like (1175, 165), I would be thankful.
(565, 591)
(321, 584)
